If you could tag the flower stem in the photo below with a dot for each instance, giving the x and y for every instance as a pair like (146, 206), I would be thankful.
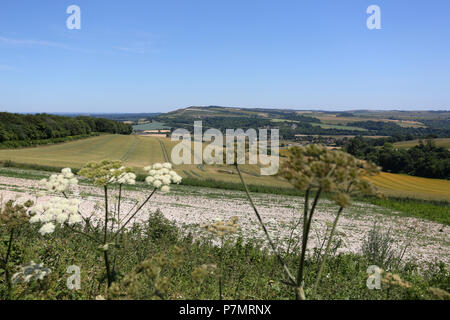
(306, 229)
(8, 254)
(326, 252)
(105, 238)
(272, 245)
(136, 212)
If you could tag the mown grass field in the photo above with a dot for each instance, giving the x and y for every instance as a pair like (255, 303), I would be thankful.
(400, 185)
(341, 120)
(441, 142)
(137, 152)
(134, 151)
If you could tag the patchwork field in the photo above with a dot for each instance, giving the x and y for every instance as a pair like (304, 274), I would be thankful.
(342, 120)
(138, 152)
(441, 142)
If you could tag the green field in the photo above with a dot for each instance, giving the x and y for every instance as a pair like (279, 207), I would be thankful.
(150, 126)
(338, 127)
(134, 151)
(138, 151)
(441, 142)
(335, 119)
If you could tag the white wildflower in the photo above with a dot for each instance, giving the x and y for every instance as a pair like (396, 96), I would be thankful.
(157, 183)
(62, 218)
(165, 189)
(61, 182)
(167, 165)
(56, 210)
(74, 219)
(47, 229)
(161, 176)
(122, 176)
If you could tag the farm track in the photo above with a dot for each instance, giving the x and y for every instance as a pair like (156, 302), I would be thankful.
(131, 149)
(164, 151)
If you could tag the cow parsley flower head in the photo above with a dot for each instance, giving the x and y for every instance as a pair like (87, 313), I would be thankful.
(127, 178)
(161, 175)
(339, 173)
(108, 172)
(60, 182)
(55, 211)
(47, 228)
(123, 175)
(31, 271)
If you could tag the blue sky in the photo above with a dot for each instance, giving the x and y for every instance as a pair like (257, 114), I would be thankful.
(157, 56)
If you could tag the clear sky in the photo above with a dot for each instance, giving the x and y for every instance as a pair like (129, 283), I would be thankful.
(157, 56)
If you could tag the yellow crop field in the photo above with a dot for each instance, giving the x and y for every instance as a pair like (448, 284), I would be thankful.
(440, 142)
(139, 151)
(412, 187)
(133, 150)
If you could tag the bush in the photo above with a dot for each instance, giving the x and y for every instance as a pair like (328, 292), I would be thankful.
(379, 250)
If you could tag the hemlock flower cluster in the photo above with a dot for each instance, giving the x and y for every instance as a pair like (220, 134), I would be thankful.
(333, 171)
(31, 271)
(56, 210)
(60, 182)
(161, 175)
(108, 172)
(123, 175)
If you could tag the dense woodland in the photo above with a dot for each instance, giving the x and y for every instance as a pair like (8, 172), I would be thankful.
(18, 130)
(424, 160)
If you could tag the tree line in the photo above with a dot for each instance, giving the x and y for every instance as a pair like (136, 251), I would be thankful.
(23, 129)
(424, 160)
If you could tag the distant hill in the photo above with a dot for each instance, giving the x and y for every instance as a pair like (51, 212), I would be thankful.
(405, 125)
(216, 111)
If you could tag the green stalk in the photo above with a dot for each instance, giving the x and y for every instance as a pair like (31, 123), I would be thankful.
(105, 238)
(322, 264)
(306, 228)
(221, 272)
(272, 245)
(8, 253)
(134, 214)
